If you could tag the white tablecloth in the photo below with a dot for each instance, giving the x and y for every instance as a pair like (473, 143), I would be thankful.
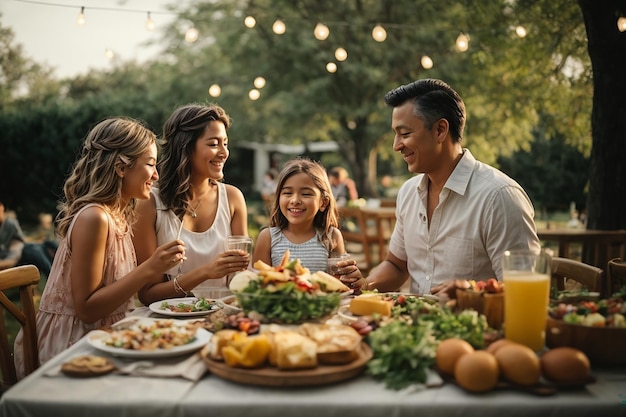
(119, 395)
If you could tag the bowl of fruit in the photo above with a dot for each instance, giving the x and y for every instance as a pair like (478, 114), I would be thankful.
(486, 297)
(597, 328)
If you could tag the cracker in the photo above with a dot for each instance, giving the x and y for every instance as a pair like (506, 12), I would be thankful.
(87, 366)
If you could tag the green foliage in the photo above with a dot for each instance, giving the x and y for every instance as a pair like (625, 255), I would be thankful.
(512, 86)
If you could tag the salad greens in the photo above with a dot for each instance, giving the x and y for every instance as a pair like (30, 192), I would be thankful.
(286, 302)
(201, 305)
(404, 346)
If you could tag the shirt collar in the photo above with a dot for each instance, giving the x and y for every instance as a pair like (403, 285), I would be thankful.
(459, 178)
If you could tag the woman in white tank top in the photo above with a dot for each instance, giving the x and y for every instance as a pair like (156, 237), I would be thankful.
(192, 203)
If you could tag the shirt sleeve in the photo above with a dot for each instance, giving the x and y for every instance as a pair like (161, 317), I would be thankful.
(509, 224)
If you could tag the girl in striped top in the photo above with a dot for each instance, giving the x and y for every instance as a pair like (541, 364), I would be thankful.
(304, 220)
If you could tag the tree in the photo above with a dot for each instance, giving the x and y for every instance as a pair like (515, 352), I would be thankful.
(606, 205)
(506, 80)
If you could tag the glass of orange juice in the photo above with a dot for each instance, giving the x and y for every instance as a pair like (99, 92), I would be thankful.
(526, 277)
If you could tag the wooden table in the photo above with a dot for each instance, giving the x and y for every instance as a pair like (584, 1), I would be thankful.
(598, 246)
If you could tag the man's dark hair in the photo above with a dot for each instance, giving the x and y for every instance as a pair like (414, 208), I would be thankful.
(432, 100)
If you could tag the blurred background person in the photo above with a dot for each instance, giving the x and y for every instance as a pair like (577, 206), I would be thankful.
(342, 186)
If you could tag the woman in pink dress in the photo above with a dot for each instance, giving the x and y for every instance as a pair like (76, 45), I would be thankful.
(95, 275)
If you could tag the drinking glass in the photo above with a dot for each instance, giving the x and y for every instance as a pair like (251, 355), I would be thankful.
(243, 243)
(333, 269)
(526, 277)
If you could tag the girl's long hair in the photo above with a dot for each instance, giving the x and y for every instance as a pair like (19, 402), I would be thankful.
(324, 221)
(112, 143)
(180, 133)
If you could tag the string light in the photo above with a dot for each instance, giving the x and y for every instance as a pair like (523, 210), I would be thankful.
(379, 33)
(331, 67)
(215, 90)
(521, 31)
(341, 54)
(191, 35)
(279, 27)
(254, 94)
(621, 24)
(321, 32)
(80, 19)
(250, 22)
(149, 23)
(259, 82)
(427, 62)
(109, 54)
(462, 42)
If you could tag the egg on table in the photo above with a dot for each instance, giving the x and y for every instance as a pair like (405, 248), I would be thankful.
(566, 365)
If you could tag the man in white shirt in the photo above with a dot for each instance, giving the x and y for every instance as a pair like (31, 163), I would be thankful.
(457, 216)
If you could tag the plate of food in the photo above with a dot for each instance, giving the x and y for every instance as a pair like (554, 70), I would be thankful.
(149, 338)
(183, 307)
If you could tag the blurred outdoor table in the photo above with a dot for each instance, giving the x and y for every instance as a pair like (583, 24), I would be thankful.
(598, 246)
(384, 219)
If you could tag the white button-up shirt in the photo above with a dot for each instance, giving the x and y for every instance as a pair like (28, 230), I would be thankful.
(481, 213)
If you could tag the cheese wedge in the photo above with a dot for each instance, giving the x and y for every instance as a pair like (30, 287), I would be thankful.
(368, 304)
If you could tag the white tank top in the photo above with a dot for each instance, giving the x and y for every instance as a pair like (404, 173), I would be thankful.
(200, 248)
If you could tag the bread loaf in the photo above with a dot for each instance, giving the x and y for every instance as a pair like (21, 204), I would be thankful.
(367, 304)
(336, 344)
(291, 350)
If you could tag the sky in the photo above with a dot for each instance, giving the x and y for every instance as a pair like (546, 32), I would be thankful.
(49, 34)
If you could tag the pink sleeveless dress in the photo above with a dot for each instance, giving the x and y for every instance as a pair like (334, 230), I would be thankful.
(57, 325)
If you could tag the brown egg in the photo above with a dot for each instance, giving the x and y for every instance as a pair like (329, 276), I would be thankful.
(477, 371)
(449, 351)
(566, 365)
(519, 364)
(494, 346)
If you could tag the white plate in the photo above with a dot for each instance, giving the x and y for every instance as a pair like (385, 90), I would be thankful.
(345, 315)
(96, 339)
(156, 307)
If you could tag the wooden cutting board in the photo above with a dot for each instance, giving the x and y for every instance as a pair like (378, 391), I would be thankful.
(271, 376)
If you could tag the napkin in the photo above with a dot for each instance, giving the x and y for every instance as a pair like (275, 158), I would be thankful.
(191, 368)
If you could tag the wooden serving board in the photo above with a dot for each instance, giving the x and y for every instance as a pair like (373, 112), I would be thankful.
(271, 376)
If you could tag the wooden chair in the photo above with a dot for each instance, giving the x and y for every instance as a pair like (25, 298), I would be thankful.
(590, 277)
(25, 278)
(616, 276)
(355, 236)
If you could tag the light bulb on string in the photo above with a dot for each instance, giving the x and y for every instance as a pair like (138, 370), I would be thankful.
(254, 94)
(341, 54)
(215, 90)
(191, 35)
(149, 23)
(279, 27)
(109, 54)
(427, 62)
(520, 31)
(462, 42)
(259, 82)
(250, 22)
(80, 19)
(621, 24)
(331, 67)
(321, 32)
(379, 33)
